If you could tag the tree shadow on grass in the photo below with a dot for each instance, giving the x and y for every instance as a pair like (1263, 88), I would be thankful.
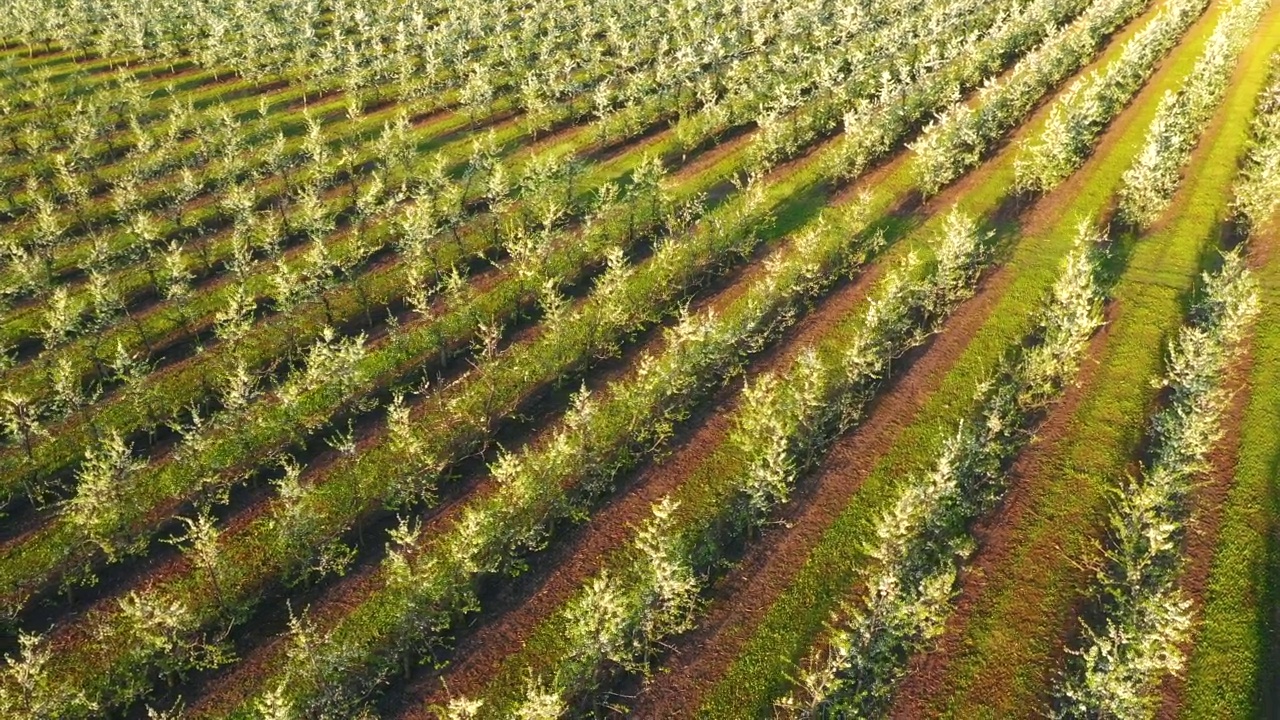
(1267, 617)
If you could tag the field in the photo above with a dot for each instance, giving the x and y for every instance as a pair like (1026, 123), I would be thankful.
(806, 359)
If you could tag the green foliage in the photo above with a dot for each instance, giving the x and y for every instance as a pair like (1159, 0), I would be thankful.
(1081, 113)
(1145, 616)
(924, 538)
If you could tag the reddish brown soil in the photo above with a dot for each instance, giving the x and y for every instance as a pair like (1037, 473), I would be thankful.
(336, 602)
(21, 518)
(609, 527)
(770, 564)
(76, 625)
(28, 52)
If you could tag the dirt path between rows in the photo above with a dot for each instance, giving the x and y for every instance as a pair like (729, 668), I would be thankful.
(743, 599)
(927, 679)
(218, 694)
(483, 648)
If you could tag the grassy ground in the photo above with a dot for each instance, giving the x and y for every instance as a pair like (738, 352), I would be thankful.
(1008, 646)
(1010, 649)
(982, 199)
(1233, 670)
(797, 620)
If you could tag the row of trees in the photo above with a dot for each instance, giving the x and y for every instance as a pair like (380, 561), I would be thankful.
(1151, 179)
(1257, 190)
(1084, 110)
(591, 57)
(656, 25)
(231, 184)
(921, 540)
(1144, 617)
(486, 400)
(557, 481)
(962, 135)
(621, 617)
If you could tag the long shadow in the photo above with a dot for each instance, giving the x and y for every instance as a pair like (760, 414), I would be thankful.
(267, 618)
(1091, 610)
(504, 595)
(1267, 618)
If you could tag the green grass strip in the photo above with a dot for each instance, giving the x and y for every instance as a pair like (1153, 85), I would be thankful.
(1234, 666)
(1009, 648)
(797, 619)
(1232, 670)
(705, 495)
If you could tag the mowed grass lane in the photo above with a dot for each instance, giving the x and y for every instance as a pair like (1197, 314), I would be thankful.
(795, 622)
